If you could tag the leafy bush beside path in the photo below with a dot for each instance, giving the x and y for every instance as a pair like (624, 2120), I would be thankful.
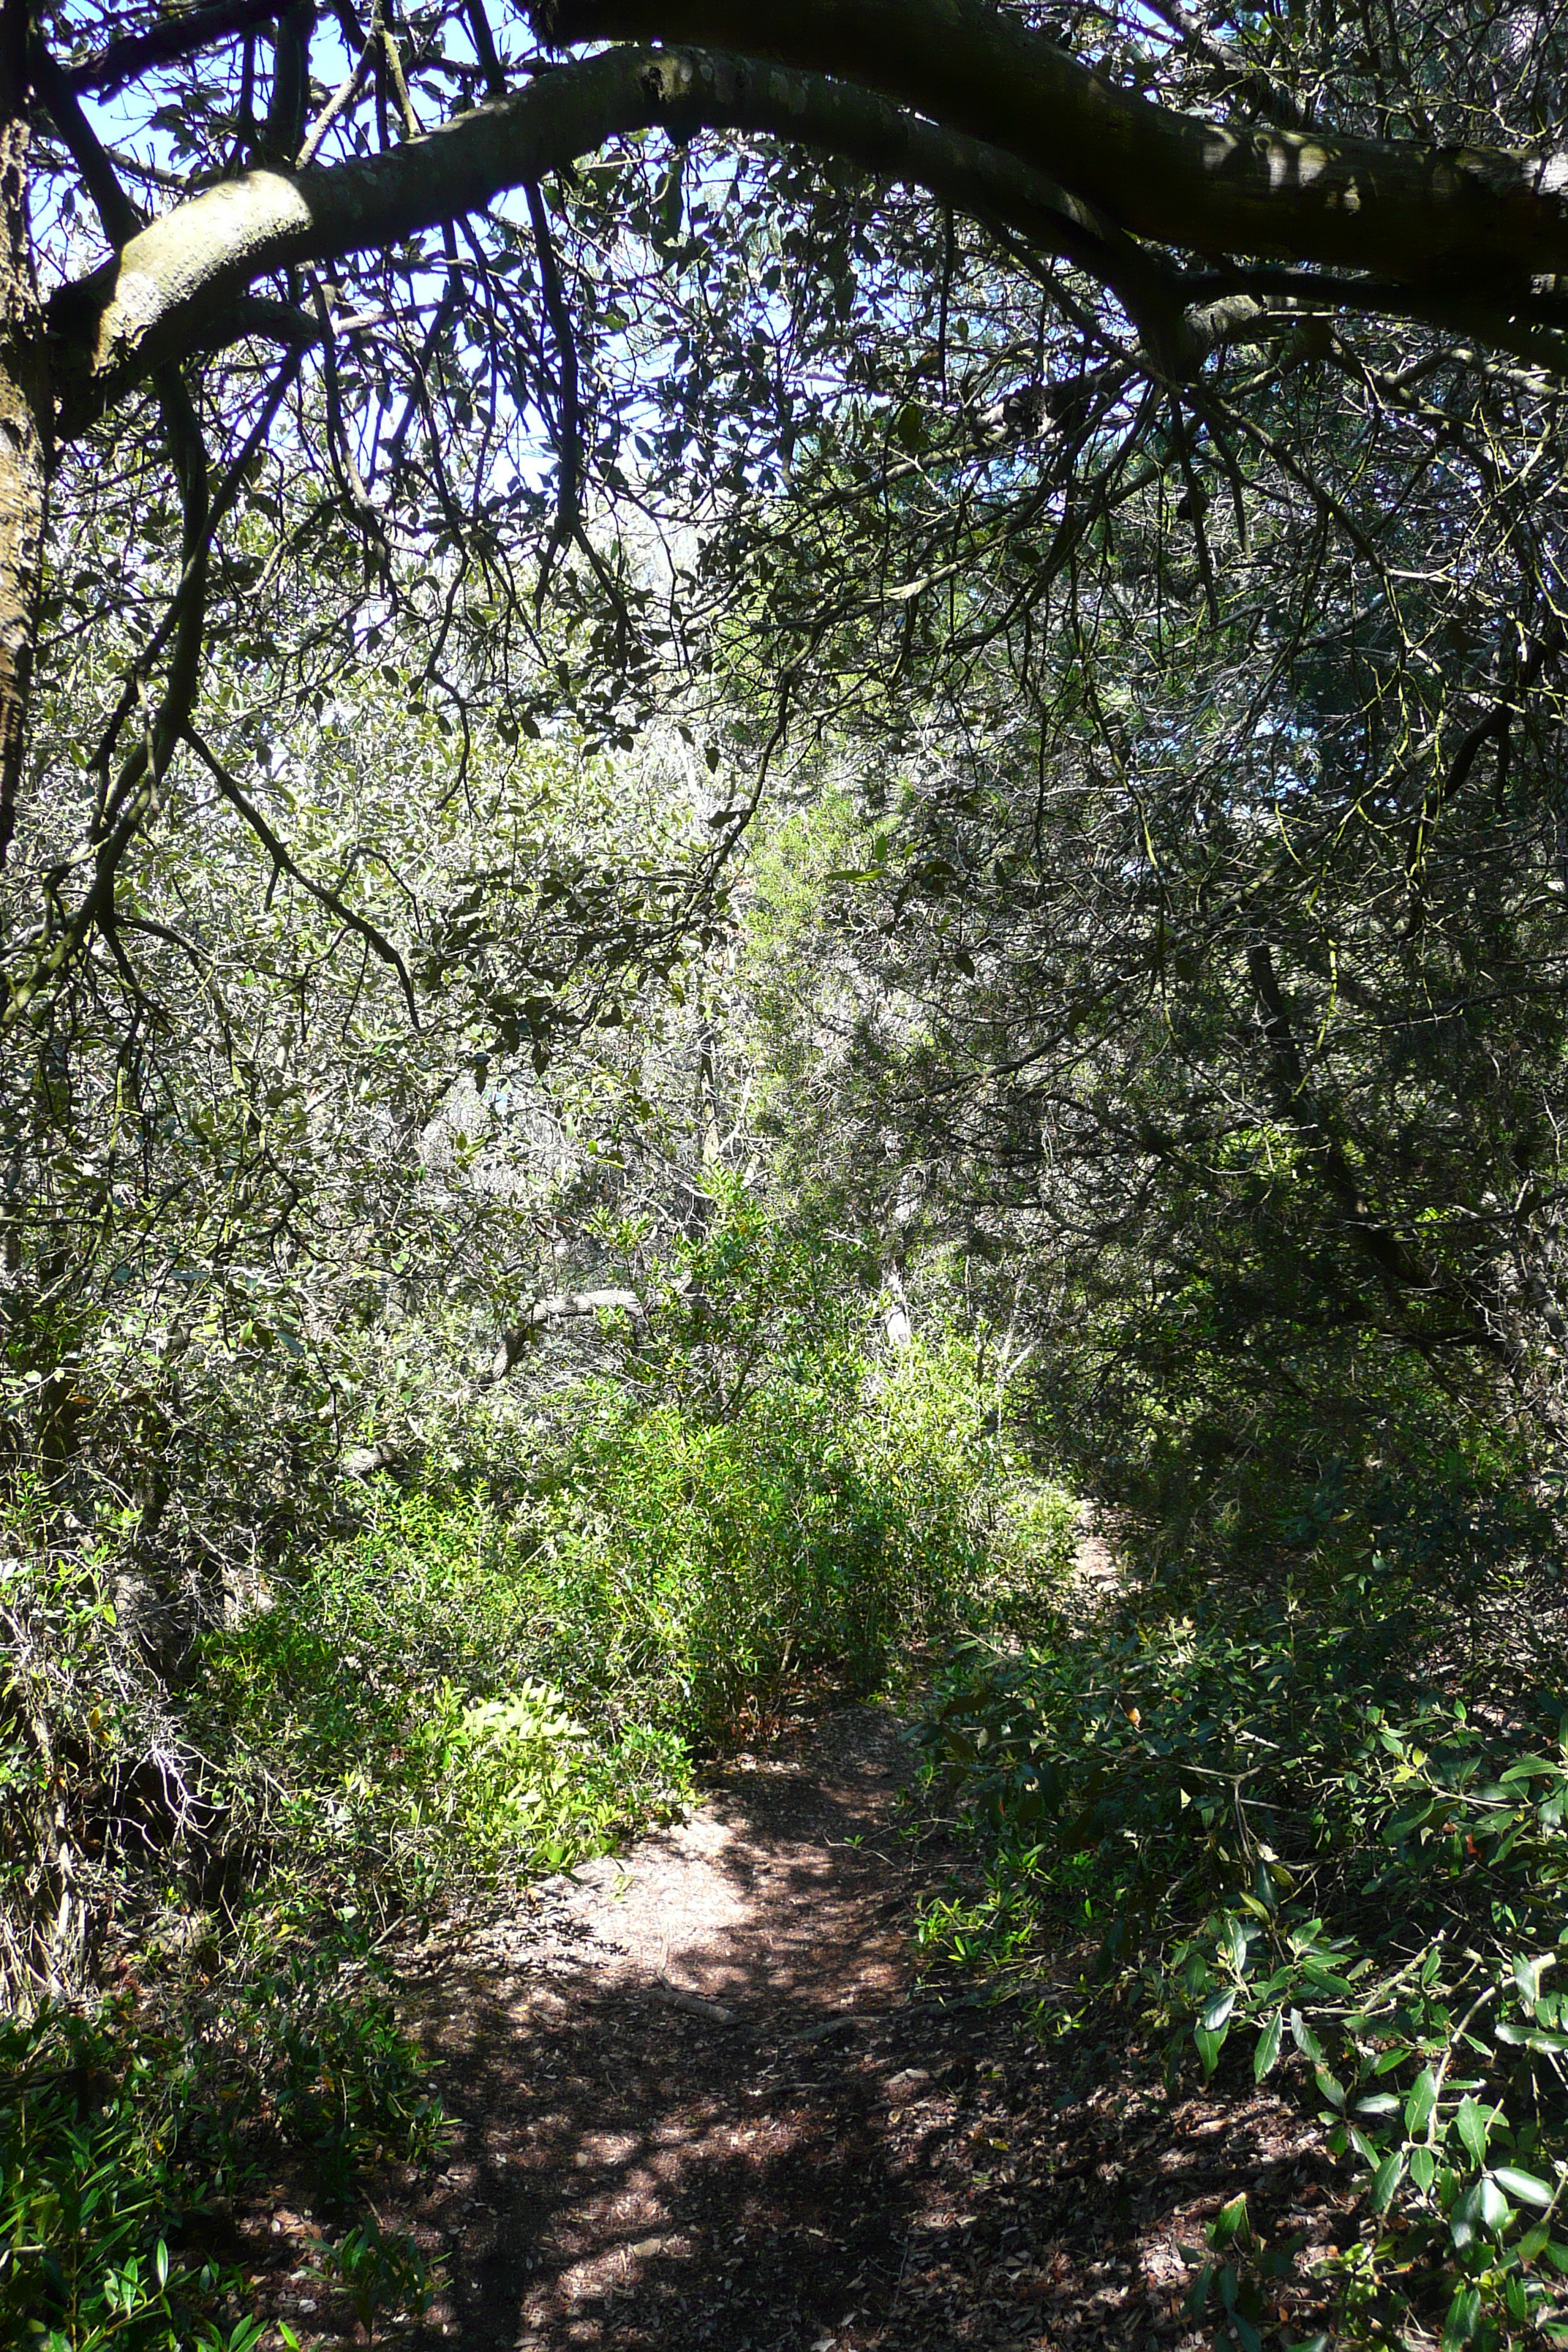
(1321, 1829)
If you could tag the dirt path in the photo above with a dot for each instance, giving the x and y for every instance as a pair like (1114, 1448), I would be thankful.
(698, 2104)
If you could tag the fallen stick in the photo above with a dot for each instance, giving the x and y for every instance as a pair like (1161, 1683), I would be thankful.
(693, 2003)
(846, 2022)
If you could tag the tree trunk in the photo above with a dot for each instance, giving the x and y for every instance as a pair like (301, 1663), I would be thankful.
(23, 417)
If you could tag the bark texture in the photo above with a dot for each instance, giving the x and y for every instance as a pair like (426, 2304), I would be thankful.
(24, 393)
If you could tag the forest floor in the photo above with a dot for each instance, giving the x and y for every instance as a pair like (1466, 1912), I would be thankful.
(699, 2097)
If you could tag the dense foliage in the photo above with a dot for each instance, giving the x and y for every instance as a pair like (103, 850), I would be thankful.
(375, 1732)
(1318, 1825)
(710, 865)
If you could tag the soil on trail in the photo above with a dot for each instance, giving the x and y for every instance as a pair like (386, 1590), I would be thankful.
(699, 2100)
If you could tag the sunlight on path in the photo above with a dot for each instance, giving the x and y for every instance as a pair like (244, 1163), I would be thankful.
(696, 2108)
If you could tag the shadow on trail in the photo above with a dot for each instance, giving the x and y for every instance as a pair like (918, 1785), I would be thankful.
(839, 2165)
(631, 2170)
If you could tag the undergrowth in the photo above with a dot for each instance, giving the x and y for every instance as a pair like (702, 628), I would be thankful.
(1312, 1826)
(128, 2131)
(508, 1659)
(513, 1676)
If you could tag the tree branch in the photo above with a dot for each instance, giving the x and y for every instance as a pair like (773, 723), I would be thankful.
(238, 798)
(568, 403)
(285, 126)
(25, 401)
(558, 1308)
(162, 297)
(124, 810)
(1400, 207)
(1006, 108)
(119, 62)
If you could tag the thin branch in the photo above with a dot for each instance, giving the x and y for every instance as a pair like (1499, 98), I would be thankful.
(347, 91)
(239, 799)
(560, 1307)
(124, 811)
(121, 61)
(568, 411)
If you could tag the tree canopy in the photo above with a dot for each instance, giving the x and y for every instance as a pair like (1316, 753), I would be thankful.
(231, 228)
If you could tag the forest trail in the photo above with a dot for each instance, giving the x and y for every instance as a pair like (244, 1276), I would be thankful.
(699, 2100)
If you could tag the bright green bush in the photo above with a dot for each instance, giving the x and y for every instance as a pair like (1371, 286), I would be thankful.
(466, 1682)
(385, 1726)
(516, 1673)
(690, 1565)
(501, 1661)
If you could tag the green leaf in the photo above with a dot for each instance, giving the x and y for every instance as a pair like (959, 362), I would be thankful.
(1463, 2313)
(1386, 2179)
(1521, 2037)
(161, 2263)
(1232, 2222)
(1267, 2055)
(1209, 2046)
(1527, 1977)
(1306, 2041)
(1420, 2102)
(1522, 2185)
(1492, 2209)
(1329, 2084)
(1198, 2292)
(1217, 2010)
(1423, 2167)
(1472, 2128)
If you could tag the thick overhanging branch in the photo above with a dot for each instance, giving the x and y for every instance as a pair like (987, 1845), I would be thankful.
(175, 286)
(1005, 127)
(561, 1306)
(1400, 208)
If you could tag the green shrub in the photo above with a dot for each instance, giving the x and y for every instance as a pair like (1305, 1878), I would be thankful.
(841, 1514)
(508, 1662)
(1286, 1823)
(1034, 1543)
(118, 2131)
(384, 1727)
(79, 1710)
(470, 1682)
